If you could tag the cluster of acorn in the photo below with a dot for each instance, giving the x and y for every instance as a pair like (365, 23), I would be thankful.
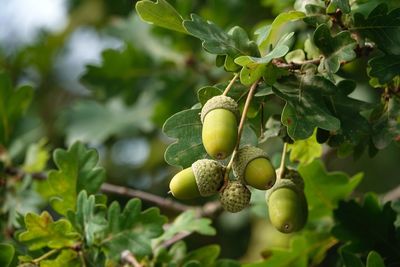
(220, 117)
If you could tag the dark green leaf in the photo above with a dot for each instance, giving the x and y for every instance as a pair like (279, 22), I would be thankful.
(13, 104)
(227, 263)
(305, 108)
(375, 260)
(349, 258)
(343, 5)
(160, 13)
(353, 126)
(234, 43)
(131, 229)
(324, 190)
(77, 171)
(186, 127)
(385, 68)
(66, 258)
(368, 227)
(207, 92)
(381, 27)
(387, 127)
(336, 49)
(6, 254)
(42, 231)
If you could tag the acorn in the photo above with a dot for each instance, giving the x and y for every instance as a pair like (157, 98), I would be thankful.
(252, 166)
(204, 178)
(287, 204)
(235, 196)
(220, 117)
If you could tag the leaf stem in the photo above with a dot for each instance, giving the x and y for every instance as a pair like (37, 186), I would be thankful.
(45, 256)
(283, 159)
(229, 86)
(240, 130)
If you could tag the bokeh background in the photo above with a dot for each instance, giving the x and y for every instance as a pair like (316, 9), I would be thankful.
(104, 77)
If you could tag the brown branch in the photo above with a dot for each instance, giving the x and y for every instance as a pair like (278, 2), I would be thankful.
(393, 194)
(128, 257)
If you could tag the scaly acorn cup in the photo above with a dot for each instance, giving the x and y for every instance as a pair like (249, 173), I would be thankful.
(235, 196)
(287, 205)
(220, 116)
(204, 178)
(252, 166)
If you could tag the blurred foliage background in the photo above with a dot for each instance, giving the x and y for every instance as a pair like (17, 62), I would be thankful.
(104, 77)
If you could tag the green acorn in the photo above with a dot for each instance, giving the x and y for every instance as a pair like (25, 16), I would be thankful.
(235, 196)
(204, 178)
(220, 116)
(252, 166)
(287, 204)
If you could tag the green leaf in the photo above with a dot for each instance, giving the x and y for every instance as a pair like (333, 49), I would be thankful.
(264, 41)
(336, 49)
(255, 67)
(42, 231)
(131, 229)
(381, 27)
(295, 56)
(186, 127)
(368, 227)
(324, 190)
(205, 256)
(36, 157)
(387, 127)
(121, 72)
(343, 5)
(299, 253)
(385, 67)
(77, 171)
(207, 92)
(13, 104)
(6, 254)
(160, 13)
(189, 223)
(305, 151)
(353, 126)
(94, 122)
(234, 43)
(89, 218)
(66, 258)
(375, 260)
(227, 263)
(349, 258)
(305, 108)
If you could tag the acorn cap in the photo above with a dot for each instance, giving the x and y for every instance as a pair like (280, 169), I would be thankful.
(220, 101)
(209, 175)
(243, 157)
(292, 180)
(235, 196)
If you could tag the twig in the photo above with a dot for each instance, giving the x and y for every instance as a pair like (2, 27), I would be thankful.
(175, 238)
(45, 256)
(159, 201)
(393, 194)
(240, 130)
(230, 84)
(283, 159)
(128, 257)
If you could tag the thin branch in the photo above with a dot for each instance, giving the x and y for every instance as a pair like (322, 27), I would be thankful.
(240, 130)
(283, 160)
(159, 201)
(45, 256)
(175, 238)
(393, 194)
(230, 84)
(128, 257)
